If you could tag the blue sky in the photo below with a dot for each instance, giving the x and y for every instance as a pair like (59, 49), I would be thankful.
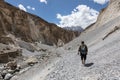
(64, 13)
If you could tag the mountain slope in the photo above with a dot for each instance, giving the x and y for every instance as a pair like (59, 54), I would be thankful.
(29, 27)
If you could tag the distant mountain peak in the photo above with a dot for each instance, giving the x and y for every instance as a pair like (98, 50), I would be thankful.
(74, 28)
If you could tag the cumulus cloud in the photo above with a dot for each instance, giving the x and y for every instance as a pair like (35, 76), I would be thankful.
(101, 1)
(82, 16)
(31, 8)
(22, 7)
(43, 1)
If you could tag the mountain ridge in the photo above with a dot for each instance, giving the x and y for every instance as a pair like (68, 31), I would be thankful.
(29, 27)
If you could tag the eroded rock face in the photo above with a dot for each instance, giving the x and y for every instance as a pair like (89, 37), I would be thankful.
(30, 28)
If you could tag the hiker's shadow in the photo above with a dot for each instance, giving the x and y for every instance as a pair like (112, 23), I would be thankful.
(88, 64)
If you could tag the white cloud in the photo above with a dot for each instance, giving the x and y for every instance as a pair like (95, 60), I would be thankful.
(43, 1)
(28, 7)
(82, 16)
(22, 7)
(101, 1)
(31, 8)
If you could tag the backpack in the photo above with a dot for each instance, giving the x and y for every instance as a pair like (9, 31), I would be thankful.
(83, 49)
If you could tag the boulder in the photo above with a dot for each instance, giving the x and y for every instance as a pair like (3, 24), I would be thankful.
(5, 55)
(60, 43)
(3, 73)
(31, 60)
(1, 78)
(8, 76)
(12, 65)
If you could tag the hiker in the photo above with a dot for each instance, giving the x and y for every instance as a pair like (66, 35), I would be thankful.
(82, 51)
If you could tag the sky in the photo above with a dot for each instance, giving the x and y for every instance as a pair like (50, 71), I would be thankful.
(64, 13)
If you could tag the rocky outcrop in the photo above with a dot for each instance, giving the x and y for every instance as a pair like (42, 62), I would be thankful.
(29, 27)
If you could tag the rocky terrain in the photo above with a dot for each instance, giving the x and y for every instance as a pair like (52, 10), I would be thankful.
(43, 62)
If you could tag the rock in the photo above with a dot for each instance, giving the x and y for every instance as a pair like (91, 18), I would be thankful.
(4, 58)
(18, 68)
(12, 65)
(13, 52)
(31, 60)
(60, 43)
(6, 40)
(1, 77)
(11, 71)
(5, 55)
(44, 50)
(2, 67)
(8, 76)
(4, 72)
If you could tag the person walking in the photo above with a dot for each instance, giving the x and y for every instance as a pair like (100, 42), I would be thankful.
(82, 51)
